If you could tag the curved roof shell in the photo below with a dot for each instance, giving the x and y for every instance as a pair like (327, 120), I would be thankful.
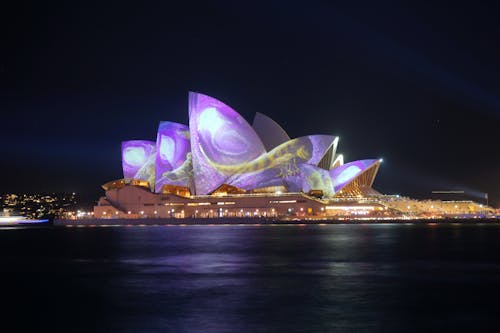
(343, 175)
(173, 148)
(220, 137)
(220, 147)
(272, 168)
(138, 160)
(269, 131)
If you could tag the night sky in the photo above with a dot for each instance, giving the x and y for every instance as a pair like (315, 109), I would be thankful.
(418, 85)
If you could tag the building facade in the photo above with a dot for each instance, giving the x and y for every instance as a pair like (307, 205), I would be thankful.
(221, 166)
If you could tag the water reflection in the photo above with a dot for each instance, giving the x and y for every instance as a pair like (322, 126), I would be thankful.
(267, 279)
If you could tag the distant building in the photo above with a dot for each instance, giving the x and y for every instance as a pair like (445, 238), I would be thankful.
(36, 206)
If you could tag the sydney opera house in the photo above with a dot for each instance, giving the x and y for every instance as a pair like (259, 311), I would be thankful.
(221, 166)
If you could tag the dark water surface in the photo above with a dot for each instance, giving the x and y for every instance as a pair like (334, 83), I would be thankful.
(335, 278)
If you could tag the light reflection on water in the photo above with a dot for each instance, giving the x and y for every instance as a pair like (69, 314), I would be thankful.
(245, 279)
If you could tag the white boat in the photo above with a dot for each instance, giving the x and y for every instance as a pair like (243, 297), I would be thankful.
(10, 220)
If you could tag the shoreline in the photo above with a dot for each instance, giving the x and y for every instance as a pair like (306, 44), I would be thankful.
(259, 221)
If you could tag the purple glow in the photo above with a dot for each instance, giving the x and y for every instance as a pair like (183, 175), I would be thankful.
(282, 163)
(172, 151)
(315, 178)
(221, 141)
(136, 157)
(219, 147)
(343, 175)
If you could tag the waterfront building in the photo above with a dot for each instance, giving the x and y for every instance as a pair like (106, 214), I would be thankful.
(221, 166)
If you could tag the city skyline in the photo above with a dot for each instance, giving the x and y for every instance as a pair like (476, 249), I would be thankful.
(418, 88)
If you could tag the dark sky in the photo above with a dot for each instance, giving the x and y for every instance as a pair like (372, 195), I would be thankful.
(417, 84)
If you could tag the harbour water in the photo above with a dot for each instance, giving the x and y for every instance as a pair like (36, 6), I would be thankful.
(332, 278)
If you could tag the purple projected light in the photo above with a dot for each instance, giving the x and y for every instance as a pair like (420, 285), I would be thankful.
(221, 141)
(172, 149)
(219, 146)
(136, 155)
(344, 174)
(282, 163)
(315, 178)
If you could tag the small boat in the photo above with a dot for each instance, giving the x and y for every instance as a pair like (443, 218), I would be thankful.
(17, 220)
